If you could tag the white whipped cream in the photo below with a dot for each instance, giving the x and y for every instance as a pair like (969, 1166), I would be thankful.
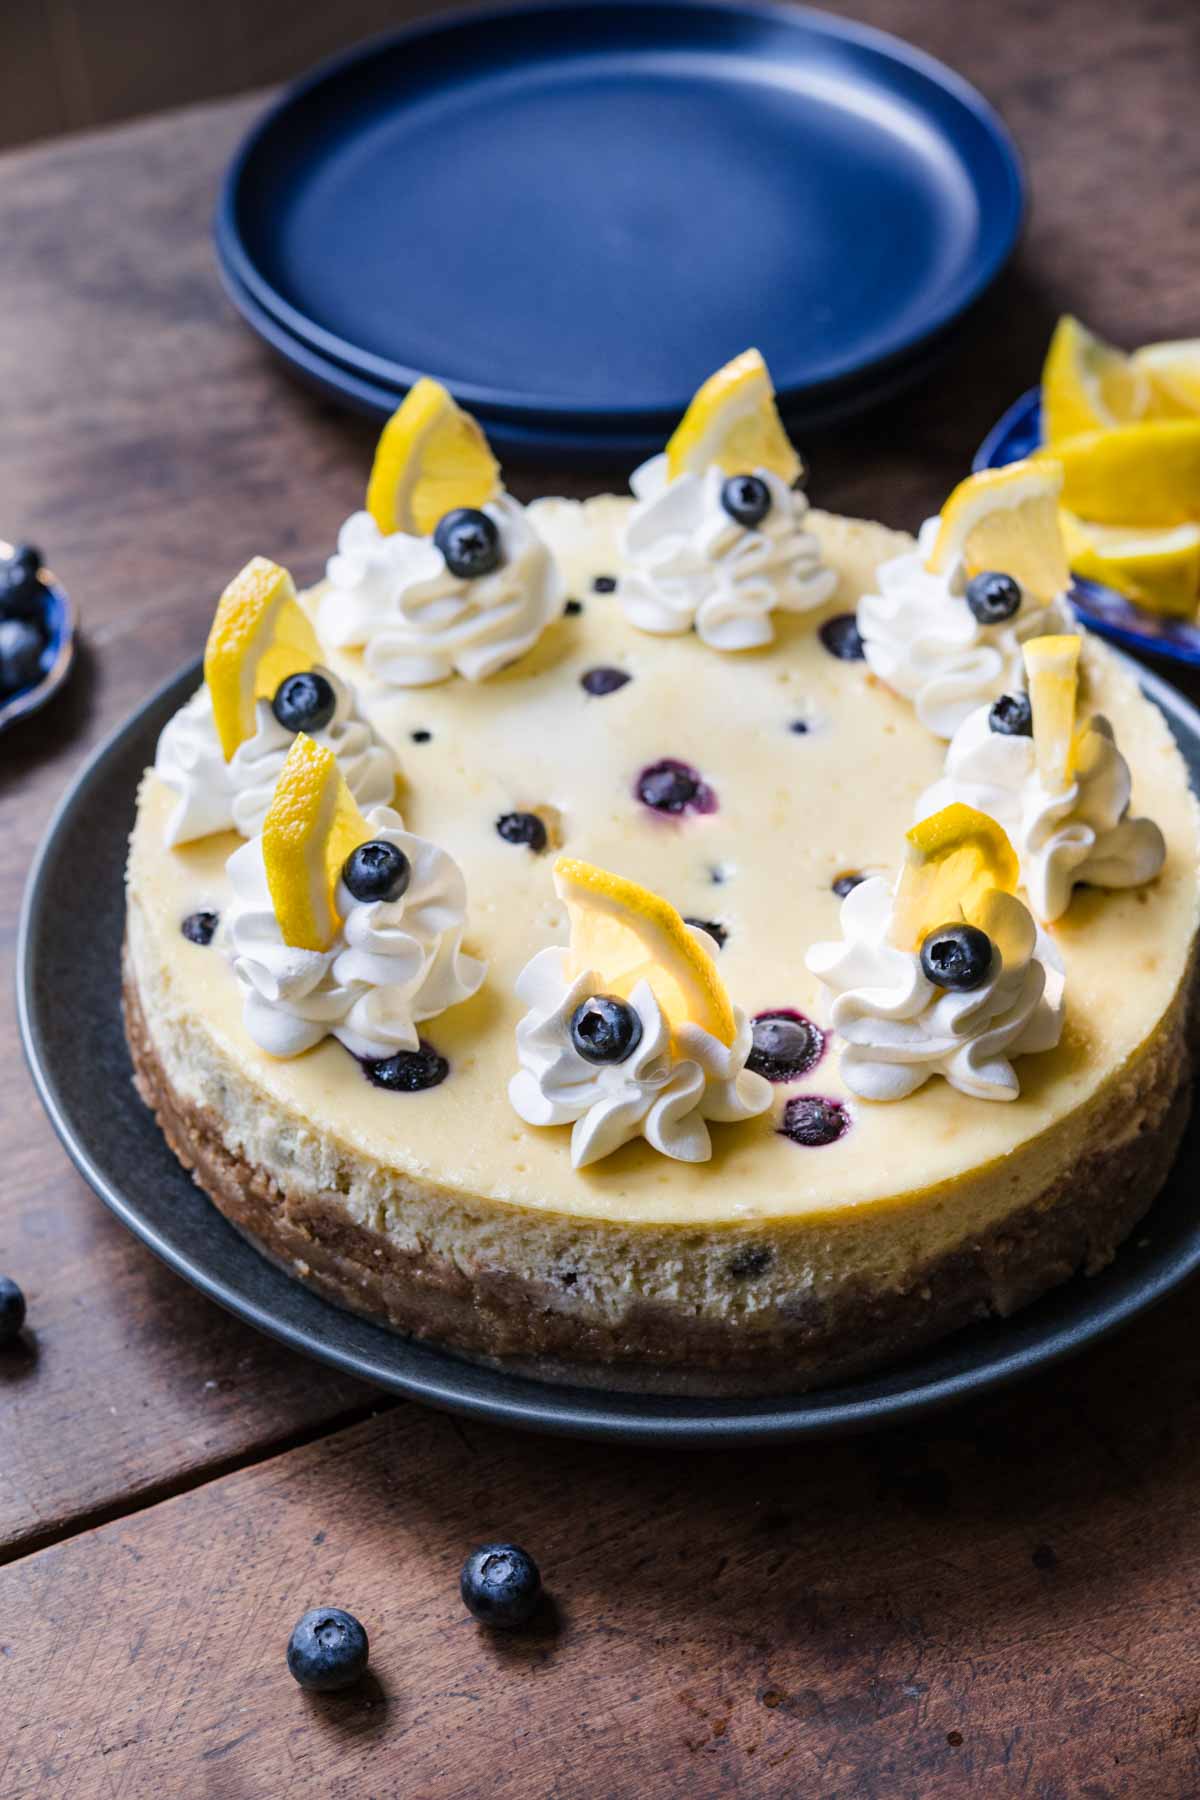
(898, 1029)
(665, 1092)
(394, 963)
(215, 795)
(923, 640)
(689, 563)
(1084, 833)
(394, 598)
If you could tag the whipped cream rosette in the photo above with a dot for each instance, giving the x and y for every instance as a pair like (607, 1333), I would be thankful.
(443, 573)
(629, 1031)
(946, 626)
(950, 975)
(343, 926)
(223, 751)
(717, 541)
(1068, 824)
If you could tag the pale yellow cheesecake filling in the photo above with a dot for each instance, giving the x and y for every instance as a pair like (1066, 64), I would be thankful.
(452, 1170)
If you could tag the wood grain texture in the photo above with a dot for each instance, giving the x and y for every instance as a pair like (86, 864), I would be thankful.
(826, 1622)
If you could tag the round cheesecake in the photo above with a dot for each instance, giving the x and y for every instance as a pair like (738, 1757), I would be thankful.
(781, 1263)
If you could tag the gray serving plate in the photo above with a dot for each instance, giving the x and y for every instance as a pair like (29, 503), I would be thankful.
(68, 996)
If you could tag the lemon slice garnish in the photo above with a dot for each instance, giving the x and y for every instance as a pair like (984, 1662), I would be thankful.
(310, 829)
(1158, 569)
(1052, 667)
(733, 421)
(1147, 474)
(1174, 372)
(1087, 385)
(431, 457)
(955, 858)
(1006, 519)
(260, 634)
(625, 934)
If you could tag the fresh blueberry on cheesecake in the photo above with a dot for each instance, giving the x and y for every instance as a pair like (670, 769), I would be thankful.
(993, 597)
(469, 542)
(377, 871)
(842, 638)
(747, 500)
(957, 957)
(304, 702)
(500, 1585)
(605, 1030)
(1011, 716)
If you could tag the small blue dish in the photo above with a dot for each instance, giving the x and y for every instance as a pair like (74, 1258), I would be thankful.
(58, 619)
(572, 213)
(1018, 434)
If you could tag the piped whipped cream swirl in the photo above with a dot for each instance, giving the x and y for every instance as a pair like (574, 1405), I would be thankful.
(690, 564)
(394, 964)
(665, 1091)
(1084, 833)
(897, 1029)
(416, 623)
(215, 795)
(922, 639)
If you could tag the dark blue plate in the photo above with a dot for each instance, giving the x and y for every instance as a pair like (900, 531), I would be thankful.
(70, 942)
(1018, 434)
(577, 211)
(58, 618)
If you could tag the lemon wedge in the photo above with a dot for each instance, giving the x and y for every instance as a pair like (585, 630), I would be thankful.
(431, 457)
(955, 859)
(733, 421)
(1174, 372)
(1006, 519)
(1052, 667)
(1158, 569)
(310, 829)
(1147, 474)
(625, 934)
(1087, 385)
(260, 634)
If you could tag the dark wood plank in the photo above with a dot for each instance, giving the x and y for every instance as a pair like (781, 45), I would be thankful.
(998, 1605)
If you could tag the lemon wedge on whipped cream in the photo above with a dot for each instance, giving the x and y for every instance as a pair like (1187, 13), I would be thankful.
(1006, 519)
(624, 934)
(1052, 666)
(955, 858)
(260, 634)
(310, 829)
(431, 458)
(733, 421)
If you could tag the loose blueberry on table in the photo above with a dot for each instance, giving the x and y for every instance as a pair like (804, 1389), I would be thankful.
(469, 542)
(304, 702)
(785, 1045)
(842, 638)
(604, 681)
(747, 499)
(377, 871)
(327, 1650)
(674, 787)
(605, 1029)
(408, 1071)
(993, 597)
(500, 1585)
(12, 1311)
(957, 957)
(200, 927)
(523, 828)
(1012, 716)
(813, 1121)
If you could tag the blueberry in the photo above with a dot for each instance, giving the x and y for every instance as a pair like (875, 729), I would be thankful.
(718, 932)
(200, 927)
(812, 1121)
(784, 1045)
(673, 787)
(25, 558)
(12, 1311)
(421, 736)
(604, 681)
(523, 828)
(1012, 716)
(993, 597)
(304, 702)
(846, 884)
(957, 957)
(469, 541)
(842, 638)
(21, 646)
(409, 1071)
(801, 727)
(500, 1585)
(377, 871)
(327, 1650)
(605, 1030)
(572, 609)
(22, 595)
(605, 584)
(747, 499)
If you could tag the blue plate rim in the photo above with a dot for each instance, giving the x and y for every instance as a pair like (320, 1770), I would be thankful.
(439, 1379)
(969, 290)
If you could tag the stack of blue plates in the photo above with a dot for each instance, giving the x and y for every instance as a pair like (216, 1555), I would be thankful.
(572, 213)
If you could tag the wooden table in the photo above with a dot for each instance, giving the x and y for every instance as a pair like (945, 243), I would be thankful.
(1005, 1601)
